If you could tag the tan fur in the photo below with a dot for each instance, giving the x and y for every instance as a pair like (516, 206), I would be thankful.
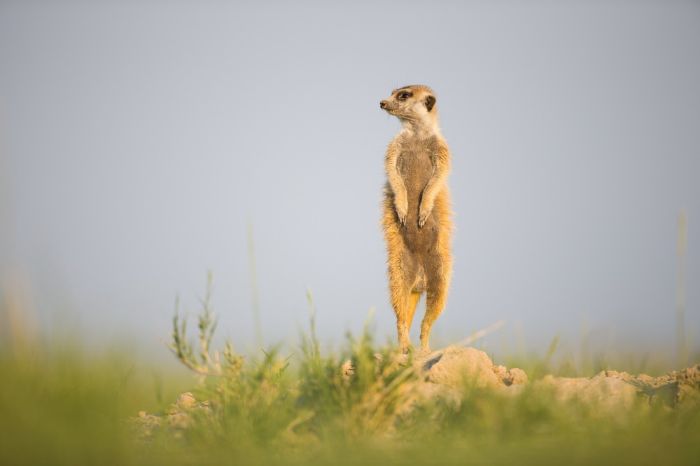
(416, 211)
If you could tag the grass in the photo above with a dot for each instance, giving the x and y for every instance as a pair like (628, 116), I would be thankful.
(60, 404)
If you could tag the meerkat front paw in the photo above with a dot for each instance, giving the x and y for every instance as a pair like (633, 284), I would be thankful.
(423, 215)
(402, 210)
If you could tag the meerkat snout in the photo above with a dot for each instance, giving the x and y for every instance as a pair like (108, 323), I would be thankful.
(383, 104)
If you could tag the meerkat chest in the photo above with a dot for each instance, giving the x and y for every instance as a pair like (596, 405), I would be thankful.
(416, 164)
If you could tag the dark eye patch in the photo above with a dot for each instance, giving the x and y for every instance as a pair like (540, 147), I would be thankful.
(404, 95)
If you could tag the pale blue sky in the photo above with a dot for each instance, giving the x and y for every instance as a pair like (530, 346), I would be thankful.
(138, 139)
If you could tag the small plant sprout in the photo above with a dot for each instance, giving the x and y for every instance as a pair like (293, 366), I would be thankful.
(205, 362)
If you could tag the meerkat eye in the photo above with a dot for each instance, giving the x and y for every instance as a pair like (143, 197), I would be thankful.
(403, 95)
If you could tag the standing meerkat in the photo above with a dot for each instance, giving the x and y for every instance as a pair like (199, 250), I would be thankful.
(416, 217)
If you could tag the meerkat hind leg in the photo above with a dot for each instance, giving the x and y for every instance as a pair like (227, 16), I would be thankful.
(402, 278)
(405, 308)
(413, 299)
(435, 303)
(404, 301)
(411, 305)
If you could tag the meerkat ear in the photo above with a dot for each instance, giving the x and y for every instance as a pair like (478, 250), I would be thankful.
(429, 102)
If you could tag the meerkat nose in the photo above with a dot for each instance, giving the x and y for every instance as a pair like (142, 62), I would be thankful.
(382, 104)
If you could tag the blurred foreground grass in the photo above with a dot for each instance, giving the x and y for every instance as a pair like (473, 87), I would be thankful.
(62, 405)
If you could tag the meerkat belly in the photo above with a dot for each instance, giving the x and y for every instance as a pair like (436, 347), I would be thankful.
(416, 169)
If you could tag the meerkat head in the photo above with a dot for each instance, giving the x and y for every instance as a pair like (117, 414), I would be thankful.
(413, 105)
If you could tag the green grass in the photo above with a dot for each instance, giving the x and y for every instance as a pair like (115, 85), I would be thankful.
(60, 405)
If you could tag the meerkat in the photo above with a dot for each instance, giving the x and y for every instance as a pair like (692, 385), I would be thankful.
(416, 211)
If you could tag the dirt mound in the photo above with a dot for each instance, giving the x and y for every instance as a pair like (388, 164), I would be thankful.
(603, 392)
(454, 366)
(673, 388)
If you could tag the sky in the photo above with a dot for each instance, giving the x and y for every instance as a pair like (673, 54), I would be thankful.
(144, 144)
